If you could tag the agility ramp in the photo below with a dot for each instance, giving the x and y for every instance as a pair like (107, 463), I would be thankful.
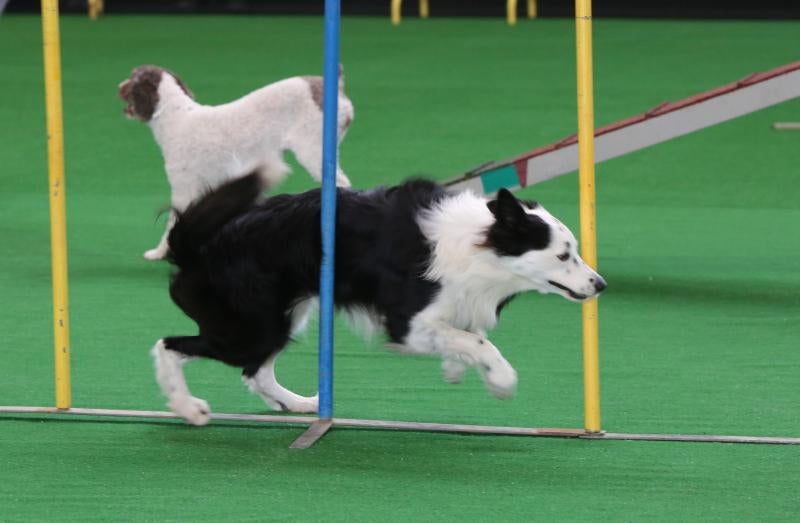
(661, 123)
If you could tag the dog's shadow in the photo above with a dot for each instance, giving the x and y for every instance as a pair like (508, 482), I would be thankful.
(438, 457)
(354, 452)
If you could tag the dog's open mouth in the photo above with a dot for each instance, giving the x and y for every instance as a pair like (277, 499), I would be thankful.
(572, 294)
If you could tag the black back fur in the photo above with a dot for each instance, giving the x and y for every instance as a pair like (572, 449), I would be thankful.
(242, 266)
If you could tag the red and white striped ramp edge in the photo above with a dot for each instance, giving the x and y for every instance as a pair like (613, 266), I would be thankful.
(661, 123)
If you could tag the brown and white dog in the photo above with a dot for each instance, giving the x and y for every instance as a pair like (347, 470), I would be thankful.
(204, 146)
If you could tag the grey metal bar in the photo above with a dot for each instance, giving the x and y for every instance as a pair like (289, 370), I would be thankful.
(314, 433)
(417, 426)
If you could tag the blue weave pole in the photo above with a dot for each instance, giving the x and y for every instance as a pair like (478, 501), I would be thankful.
(328, 220)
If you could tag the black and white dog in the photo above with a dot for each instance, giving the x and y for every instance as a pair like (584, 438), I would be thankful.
(429, 268)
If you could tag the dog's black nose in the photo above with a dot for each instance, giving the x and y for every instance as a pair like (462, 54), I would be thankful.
(600, 285)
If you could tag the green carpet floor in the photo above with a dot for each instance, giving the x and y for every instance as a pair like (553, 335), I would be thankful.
(699, 239)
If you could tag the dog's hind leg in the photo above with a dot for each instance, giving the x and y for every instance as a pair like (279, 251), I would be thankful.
(273, 170)
(263, 383)
(160, 251)
(169, 355)
(309, 154)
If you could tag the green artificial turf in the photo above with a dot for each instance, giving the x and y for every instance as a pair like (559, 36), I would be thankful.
(699, 239)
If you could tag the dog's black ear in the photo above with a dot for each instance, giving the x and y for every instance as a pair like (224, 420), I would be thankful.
(506, 208)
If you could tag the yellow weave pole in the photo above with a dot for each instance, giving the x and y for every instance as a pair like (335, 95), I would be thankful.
(424, 9)
(96, 8)
(58, 223)
(591, 365)
(397, 6)
(533, 10)
(511, 12)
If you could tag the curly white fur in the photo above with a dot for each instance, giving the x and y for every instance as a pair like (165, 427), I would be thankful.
(204, 146)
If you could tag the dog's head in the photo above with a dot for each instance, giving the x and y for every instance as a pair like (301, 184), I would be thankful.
(141, 91)
(535, 246)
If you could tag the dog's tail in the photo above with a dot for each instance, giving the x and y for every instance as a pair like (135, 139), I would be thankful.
(198, 224)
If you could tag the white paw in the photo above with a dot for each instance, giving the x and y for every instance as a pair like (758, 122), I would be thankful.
(453, 370)
(305, 405)
(155, 254)
(343, 181)
(193, 410)
(500, 378)
(297, 404)
(275, 405)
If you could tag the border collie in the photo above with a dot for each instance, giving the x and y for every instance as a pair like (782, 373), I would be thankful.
(204, 146)
(429, 268)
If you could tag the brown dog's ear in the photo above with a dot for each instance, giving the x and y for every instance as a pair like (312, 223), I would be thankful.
(506, 208)
(144, 96)
(183, 86)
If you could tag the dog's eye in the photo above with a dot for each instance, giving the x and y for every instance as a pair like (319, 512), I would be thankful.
(563, 257)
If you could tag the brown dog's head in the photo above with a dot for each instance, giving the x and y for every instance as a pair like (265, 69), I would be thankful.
(140, 91)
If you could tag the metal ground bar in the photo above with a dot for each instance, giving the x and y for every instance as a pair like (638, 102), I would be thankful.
(412, 426)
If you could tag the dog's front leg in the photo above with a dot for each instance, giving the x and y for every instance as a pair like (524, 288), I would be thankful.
(341, 178)
(160, 251)
(461, 348)
(453, 368)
